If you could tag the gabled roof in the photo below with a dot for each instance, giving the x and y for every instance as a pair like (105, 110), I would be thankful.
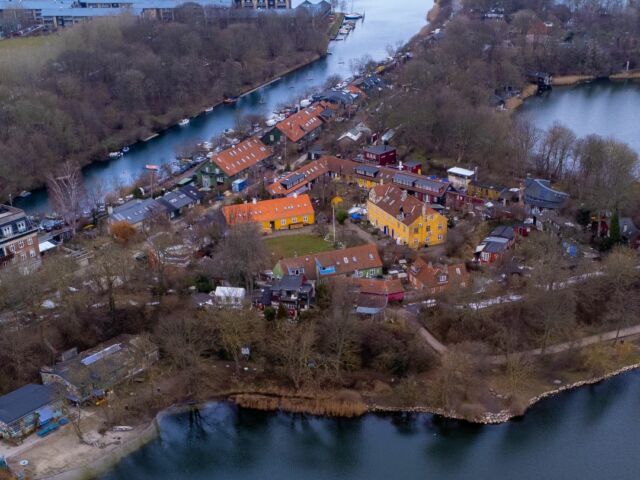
(268, 210)
(504, 231)
(428, 274)
(538, 193)
(379, 286)
(379, 149)
(176, 200)
(398, 203)
(336, 262)
(25, 400)
(309, 172)
(415, 181)
(301, 123)
(136, 211)
(242, 156)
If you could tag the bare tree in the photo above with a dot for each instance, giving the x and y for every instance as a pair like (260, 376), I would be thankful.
(67, 193)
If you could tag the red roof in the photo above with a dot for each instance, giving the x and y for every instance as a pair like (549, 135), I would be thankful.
(439, 277)
(378, 286)
(242, 156)
(300, 124)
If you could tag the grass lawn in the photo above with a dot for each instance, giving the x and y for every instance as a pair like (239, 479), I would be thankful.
(296, 245)
(20, 43)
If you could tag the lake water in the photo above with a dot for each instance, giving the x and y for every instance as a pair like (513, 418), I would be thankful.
(601, 107)
(385, 24)
(588, 434)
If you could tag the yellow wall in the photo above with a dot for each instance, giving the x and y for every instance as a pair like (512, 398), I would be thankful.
(431, 230)
(285, 223)
(483, 192)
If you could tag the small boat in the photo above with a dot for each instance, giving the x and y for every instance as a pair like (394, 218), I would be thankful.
(115, 154)
(24, 194)
(344, 31)
(230, 100)
(208, 109)
(305, 103)
(353, 16)
(184, 122)
(125, 149)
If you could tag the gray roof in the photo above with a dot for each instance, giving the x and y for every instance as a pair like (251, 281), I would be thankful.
(136, 211)
(503, 232)
(492, 245)
(292, 180)
(24, 401)
(628, 229)
(289, 282)
(176, 200)
(379, 149)
(538, 193)
(367, 170)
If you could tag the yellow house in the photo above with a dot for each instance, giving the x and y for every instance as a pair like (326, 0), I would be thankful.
(276, 214)
(405, 218)
(485, 190)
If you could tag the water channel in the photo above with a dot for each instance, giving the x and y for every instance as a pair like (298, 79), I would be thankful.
(385, 24)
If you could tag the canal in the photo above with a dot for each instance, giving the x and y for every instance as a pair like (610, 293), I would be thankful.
(385, 24)
(587, 434)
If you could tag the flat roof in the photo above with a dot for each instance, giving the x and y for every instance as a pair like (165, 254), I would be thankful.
(461, 172)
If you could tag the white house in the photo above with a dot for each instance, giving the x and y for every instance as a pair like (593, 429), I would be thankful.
(459, 178)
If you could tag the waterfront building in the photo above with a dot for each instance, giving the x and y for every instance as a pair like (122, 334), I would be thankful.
(92, 373)
(63, 13)
(27, 409)
(404, 218)
(262, 4)
(272, 215)
(19, 244)
(233, 162)
(539, 195)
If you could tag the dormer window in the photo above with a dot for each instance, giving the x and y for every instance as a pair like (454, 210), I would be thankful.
(442, 279)
(22, 226)
(7, 231)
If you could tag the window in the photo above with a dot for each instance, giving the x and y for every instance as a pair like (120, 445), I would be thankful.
(485, 256)
(21, 244)
(305, 219)
(23, 256)
(416, 230)
(12, 248)
(428, 228)
(22, 226)
(283, 221)
(32, 253)
(294, 220)
(439, 226)
(430, 217)
(30, 241)
(439, 237)
(442, 279)
(7, 231)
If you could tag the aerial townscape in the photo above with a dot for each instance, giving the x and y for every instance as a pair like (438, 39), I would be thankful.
(319, 239)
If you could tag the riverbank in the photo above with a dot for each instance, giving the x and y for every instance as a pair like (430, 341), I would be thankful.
(158, 125)
(530, 90)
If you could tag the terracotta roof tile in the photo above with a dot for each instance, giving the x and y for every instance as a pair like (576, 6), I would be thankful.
(242, 156)
(311, 171)
(268, 210)
(301, 123)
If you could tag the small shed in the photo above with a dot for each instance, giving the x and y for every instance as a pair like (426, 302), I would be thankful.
(230, 296)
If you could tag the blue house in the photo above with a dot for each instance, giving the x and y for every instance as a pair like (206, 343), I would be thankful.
(27, 409)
